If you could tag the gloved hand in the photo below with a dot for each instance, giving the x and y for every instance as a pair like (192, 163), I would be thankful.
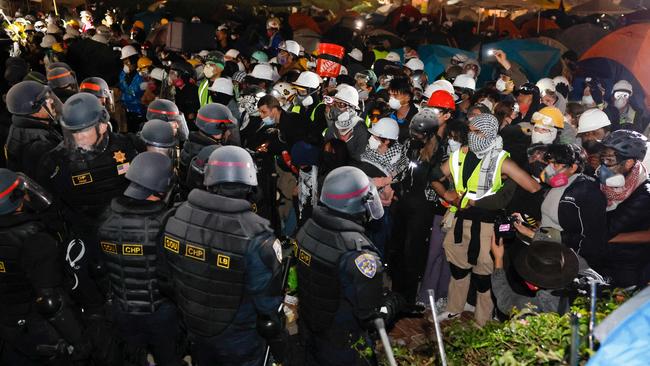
(271, 328)
(395, 305)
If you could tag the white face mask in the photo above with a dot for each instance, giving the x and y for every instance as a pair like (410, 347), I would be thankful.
(543, 137)
(240, 66)
(208, 71)
(373, 143)
(588, 101)
(307, 101)
(471, 73)
(454, 145)
(620, 103)
(126, 69)
(394, 103)
(616, 181)
(501, 85)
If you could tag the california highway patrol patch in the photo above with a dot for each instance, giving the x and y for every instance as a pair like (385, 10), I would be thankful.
(367, 265)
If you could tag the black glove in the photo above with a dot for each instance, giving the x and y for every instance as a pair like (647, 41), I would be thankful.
(271, 328)
(394, 305)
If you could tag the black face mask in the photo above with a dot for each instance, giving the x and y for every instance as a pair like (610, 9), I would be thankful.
(220, 98)
(417, 144)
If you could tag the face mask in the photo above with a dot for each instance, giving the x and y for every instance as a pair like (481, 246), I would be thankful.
(268, 121)
(471, 73)
(478, 145)
(554, 178)
(543, 138)
(609, 178)
(454, 145)
(501, 85)
(208, 71)
(523, 109)
(282, 60)
(620, 103)
(417, 144)
(373, 143)
(179, 83)
(126, 69)
(363, 94)
(588, 100)
(306, 102)
(394, 103)
(333, 114)
(240, 66)
(144, 74)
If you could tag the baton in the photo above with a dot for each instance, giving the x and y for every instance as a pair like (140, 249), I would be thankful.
(575, 340)
(381, 328)
(441, 347)
(592, 316)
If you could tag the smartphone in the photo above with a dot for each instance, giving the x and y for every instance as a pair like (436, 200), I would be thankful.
(490, 52)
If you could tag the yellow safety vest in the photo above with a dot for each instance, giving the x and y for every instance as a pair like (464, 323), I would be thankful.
(379, 54)
(298, 108)
(204, 93)
(456, 164)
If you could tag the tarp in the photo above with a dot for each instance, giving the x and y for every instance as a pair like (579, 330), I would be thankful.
(599, 7)
(581, 37)
(535, 58)
(630, 47)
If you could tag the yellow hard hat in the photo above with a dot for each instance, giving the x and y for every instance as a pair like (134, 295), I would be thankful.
(548, 117)
(56, 47)
(138, 24)
(164, 21)
(194, 62)
(144, 62)
(73, 23)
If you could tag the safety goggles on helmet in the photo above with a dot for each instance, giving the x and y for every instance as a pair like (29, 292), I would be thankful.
(331, 101)
(527, 89)
(621, 95)
(362, 78)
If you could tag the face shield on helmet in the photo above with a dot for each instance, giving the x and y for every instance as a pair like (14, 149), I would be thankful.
(88, 142)
(27, 192)
(372, 203)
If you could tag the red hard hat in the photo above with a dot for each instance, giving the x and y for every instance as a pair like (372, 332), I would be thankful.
(442, 99)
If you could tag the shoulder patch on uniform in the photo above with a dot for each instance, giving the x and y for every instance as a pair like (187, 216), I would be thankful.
(277, 248)
(132, 249)
(366, 264)
(123, 168)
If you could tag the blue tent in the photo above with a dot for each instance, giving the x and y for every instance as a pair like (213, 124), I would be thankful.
(536, 59)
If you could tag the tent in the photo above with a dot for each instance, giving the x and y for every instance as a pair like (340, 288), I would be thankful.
(630, 47)
(599, 7)
(403, 11)
(502, 26)
(550, 42)
(307, 38)
(303, 21)
(436, 57)
(529, 29)
(581, 37)
(535, 58)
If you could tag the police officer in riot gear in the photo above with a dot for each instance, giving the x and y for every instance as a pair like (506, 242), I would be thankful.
(37, 324)
(167, 111)
(85, 172)
(195, 174)
(216, 125)
(129, 241)
(340, 272)
(158, 136)
(35, 109)
(224, 266)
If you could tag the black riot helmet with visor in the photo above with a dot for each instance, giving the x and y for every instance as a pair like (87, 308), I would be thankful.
(99, 88)
(349, 191)
(28, 98)
(159, 137)
(17, 189)
(167, 110)
(85, 122)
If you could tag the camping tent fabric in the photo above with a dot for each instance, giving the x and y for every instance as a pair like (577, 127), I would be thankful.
(630, 47)
(581, 37)
(535, 58)
(503, 26)
(550, 42)
(436, 57)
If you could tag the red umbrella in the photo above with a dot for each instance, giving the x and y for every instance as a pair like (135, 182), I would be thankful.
(407, 11)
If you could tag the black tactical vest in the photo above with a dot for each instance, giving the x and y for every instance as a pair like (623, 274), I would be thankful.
(321, 242)
(16, 291)
(129, 240)
(205, 243)
(195, 142)
(23, 133)
(88, 186)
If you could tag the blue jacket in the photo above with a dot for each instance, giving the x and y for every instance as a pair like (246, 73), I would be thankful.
(131, 94)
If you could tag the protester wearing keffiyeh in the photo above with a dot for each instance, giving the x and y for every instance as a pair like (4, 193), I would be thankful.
(485, 146)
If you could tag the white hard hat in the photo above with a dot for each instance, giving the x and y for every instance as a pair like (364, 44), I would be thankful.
(348, 94)
(440, 85)
(343, 71)
(465, 81)
(393, 56)
(622, 85)
(290, 46)
(158, 74)
(48, 41)
(53, 29)
(415, 64)
(561, 80)
(128, 51)
(283, 89)
(386, 128)
(222, 85)
(592, 119)
(232, 53)
(356, 54)
(262, 72)
(308, 79)
(545, 84)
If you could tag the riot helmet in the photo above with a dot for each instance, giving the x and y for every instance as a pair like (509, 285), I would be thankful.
(150, 173)
(30, 98)
(17, 189)
(348, 190)
(167, 110)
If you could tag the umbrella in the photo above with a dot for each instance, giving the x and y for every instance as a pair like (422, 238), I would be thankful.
(302, 20)
(382, 34)
(535, 58)
(628, 46)
(599, 7)
(436, 57)
(403, 11)
(581, 37)
(503, 26)
(530, 28)
(307, 38)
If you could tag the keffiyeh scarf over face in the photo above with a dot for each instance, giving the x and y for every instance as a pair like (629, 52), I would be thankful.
(486, 148)
(616, 195)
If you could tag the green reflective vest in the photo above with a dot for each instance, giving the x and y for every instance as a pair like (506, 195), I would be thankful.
(456, 164)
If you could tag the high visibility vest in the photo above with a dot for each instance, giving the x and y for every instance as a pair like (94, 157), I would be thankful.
(379, 54)
(456, 164)
(204, 93)
(298, 109)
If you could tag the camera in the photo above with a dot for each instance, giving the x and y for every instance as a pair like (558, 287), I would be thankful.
(504, 226)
